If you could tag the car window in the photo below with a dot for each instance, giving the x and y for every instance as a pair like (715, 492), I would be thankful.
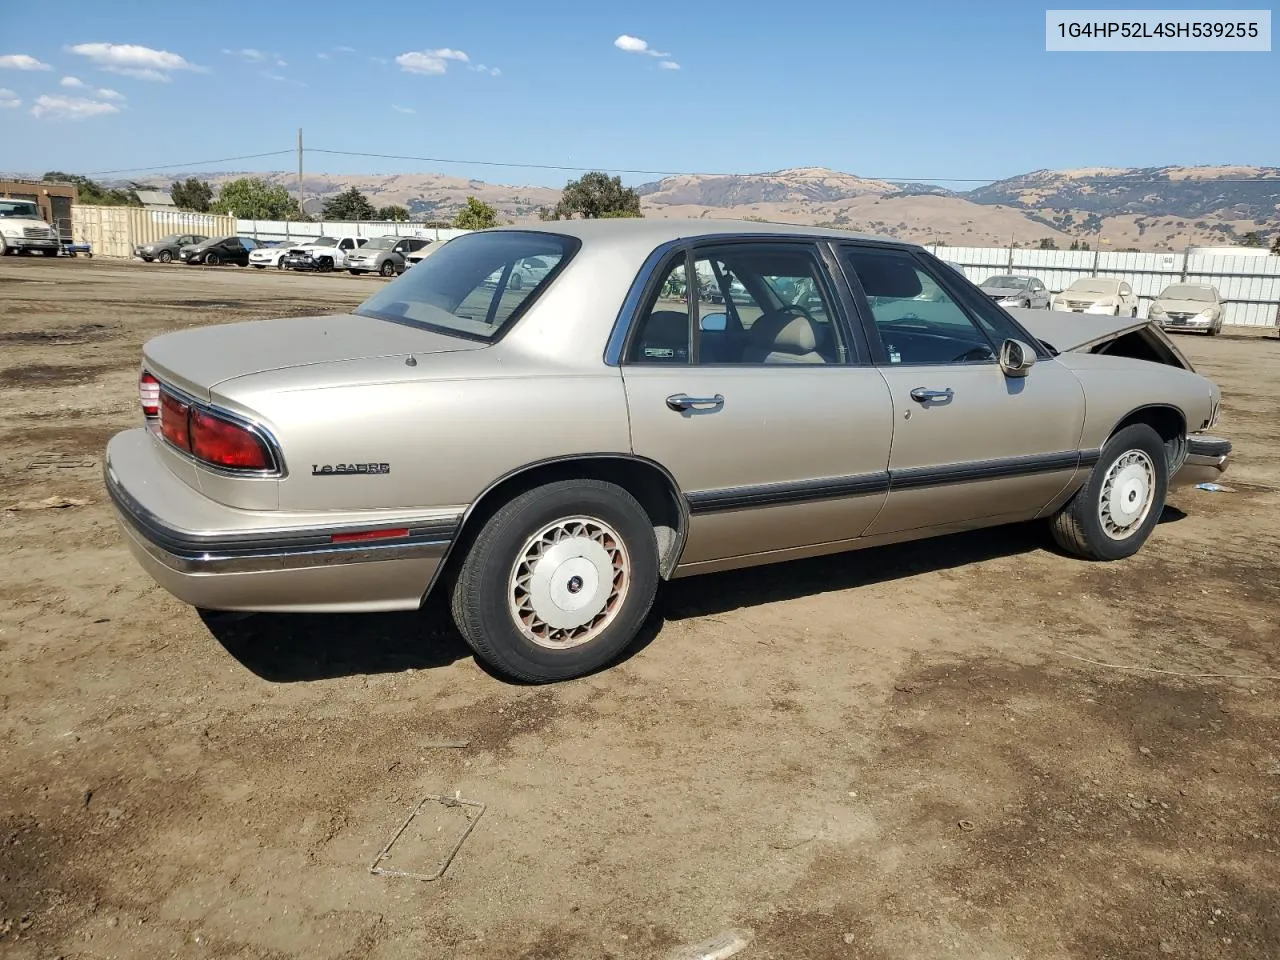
(470, 285)
(1125, 290)
(755, 304)
(916, 320)
(248, 243)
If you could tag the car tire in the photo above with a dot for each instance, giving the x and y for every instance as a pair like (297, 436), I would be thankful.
(500, 598)
(211, 260)
(1111, 516)
(280, 264)
(354, 273)
(259, 266)
(388, 269)
(166, 256)
(515, 283)
(325, 264)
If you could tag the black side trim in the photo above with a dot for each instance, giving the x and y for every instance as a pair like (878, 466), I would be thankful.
(1208, 447)
(983, 470)
(183, 544)
(777, 494)
(1090, 457)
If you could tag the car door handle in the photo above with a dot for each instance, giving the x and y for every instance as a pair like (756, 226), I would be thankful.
(682, 402)
(924, 395)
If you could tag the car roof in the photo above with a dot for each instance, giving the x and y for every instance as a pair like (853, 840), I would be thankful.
(656, 231)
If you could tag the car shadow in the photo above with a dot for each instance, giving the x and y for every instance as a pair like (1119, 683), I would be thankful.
(295, 648)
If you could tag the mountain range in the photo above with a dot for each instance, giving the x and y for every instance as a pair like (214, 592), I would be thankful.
(1147, 208)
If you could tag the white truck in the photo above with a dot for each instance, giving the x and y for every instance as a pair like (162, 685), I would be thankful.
(22, 229)
(322, 253)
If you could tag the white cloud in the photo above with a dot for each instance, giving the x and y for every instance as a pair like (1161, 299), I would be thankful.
(669, 65)
(630, 44)
(481, 68)
(250, 55)
(344, 49)
(432, 62)
(106, 93)
(399, 109)
(132, 60)
(323, 56)
(8, 99)
(70, 108)
(21, 61)
(75, 83)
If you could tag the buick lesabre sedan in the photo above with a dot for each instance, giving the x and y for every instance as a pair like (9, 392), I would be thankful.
(546, 455)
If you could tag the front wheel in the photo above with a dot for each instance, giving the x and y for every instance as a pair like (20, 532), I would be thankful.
(211, 260)
(1112, 515)
(388, 268)
(165, 256)
(558, 582)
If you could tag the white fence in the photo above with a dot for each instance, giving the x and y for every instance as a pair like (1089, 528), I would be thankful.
(1248, 285)
(292, 230)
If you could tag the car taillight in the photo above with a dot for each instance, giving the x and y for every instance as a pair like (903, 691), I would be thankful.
(226, 444)
(174, 417)
(149, 395)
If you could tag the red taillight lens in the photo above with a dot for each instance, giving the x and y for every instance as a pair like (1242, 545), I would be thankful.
(149, 395)
(173, 421)
(227, 444)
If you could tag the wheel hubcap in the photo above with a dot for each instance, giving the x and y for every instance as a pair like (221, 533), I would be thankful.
(568, 582)
(1127, 492)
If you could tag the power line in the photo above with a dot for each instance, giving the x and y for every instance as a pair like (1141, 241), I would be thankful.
(189, 163)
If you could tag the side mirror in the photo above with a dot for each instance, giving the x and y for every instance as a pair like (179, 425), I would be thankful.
(714, 323)
(1016, 358)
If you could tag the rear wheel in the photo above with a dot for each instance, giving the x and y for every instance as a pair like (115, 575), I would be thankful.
(1112, 515)
(166, 256)
(558, 582)
(211, 259)
(515, 283)
(325, 264)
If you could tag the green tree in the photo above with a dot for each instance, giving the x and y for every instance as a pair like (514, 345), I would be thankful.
(90, 192)
(1251, 239)
(394, 212)
(252, 198)
(597, 195)
(192, 194)
(476, 215)
(1048, 243)
(1275, 245)
(350, 204)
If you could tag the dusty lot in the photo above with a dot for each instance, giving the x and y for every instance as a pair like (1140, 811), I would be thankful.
(894, 754)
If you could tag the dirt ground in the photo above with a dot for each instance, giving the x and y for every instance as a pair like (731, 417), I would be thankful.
(893, 754)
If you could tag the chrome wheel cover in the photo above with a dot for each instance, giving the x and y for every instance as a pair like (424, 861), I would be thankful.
(1128, 491)
(568, 582)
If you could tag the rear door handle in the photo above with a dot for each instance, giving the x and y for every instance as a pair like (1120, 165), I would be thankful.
(682, 402)
(924, 395)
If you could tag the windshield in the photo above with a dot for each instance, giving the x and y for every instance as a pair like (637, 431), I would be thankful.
(449, 292)
(381, 243)
(19, 208)
(324, 242)
(1093, 285)
(1185, 291)
(1002, 283)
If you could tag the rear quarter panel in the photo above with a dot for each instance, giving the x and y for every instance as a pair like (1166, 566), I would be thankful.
(446, 435)
(1115, 387)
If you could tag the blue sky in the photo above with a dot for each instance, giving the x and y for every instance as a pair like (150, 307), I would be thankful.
(899, 90)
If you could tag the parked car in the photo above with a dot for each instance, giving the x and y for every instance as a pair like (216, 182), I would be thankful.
(383, 255)
(547, 455)
(1010, 290)
(1103, 295)
(322, 254)
(1189, 306)
(415, 257)
(269, 254)
(219, 250)
(167, 248)
(526, 272)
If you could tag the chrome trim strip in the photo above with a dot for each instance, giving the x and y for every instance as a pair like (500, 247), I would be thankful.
(277, 471)
(270, 550)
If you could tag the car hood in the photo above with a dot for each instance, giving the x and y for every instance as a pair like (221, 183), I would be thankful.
(1185, 306)
(197, 360)
(361, 253)
(1085, 333)
(1086, 296)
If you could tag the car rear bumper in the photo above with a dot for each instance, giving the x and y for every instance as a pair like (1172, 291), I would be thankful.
(221, 558)
(1207, 460)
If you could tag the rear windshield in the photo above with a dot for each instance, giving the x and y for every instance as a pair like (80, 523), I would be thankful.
(475, 284)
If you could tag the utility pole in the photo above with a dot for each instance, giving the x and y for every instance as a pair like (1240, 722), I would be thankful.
(300, 170)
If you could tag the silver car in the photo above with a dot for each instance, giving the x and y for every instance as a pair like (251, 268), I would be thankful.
(1010, 290)
(384, 256)
(547, 455)
(1189, 306)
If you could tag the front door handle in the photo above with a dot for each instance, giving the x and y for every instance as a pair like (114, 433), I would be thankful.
(924, 395)
(683, 402)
